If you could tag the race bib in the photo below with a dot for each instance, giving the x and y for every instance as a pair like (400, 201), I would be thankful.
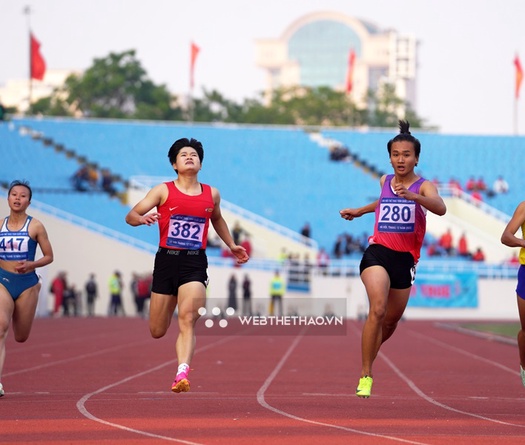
(185, 232)
(396, 215)
(14, 248)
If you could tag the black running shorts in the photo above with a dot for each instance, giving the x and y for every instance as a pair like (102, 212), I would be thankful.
(173, 268)
(399, 265)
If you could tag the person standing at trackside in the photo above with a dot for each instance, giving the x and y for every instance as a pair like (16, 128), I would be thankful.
(388, 264)
(510, 239)
(277, 290)
(246, 295)
(115, 291)
(185, 208)
(91, 289)
(20, 234)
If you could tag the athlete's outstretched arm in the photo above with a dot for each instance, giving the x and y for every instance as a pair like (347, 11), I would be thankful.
(350, 214)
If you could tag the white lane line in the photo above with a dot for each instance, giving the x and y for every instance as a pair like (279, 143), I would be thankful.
(465, 352)
(81, 404)
(271, 377)
(429, 399)
(75, 358)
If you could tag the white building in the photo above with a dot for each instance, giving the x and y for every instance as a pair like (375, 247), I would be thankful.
(15, 93)
(314, 51)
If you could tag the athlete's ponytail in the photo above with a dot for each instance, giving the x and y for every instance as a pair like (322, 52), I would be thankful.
(405, 135)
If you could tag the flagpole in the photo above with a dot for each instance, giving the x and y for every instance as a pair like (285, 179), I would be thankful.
(27, 12)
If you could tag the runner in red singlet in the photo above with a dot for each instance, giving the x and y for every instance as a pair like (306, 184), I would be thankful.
(184, 209)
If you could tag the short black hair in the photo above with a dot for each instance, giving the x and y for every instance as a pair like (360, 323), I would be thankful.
(23, 183)
(185, 142)
(404, 135)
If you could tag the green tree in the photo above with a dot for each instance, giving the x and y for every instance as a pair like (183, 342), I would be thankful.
(53, 105)
(117, 86)
(113, 87)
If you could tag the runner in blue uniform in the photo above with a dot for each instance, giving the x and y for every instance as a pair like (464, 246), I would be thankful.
(20, 234)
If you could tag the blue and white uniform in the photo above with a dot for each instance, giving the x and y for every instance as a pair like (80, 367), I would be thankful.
(17, 246)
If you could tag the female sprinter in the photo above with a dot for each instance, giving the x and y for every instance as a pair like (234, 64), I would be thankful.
(184, 209)
(388, 264)
(19, 283)
(510, 239)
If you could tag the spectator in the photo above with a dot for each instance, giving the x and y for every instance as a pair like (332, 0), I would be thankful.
(115, 290)
(339, 153)
(478, 255)
(306, 231)
(80, 179)
(463, 246)
(143, 292)
(471, 184)
(246, 296)
(58, 286)
(277, 289)
(232, 292)
(70, 301)
(500, 186)
(107, 182)
(91, 288)
(481, 185)
(446, 242)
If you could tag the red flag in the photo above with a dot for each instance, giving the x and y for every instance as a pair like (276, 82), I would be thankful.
(519, 76)
(350, 72)
(38, 64)
(194, 53)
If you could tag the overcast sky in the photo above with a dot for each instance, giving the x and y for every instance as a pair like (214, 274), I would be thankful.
(466, 75)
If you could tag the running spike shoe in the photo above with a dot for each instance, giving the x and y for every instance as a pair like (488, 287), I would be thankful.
(181, 382)
(364, 389)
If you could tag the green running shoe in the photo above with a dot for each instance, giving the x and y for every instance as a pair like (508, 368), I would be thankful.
(365, 387)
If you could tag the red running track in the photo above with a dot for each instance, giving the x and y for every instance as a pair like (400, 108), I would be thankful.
(104, 380)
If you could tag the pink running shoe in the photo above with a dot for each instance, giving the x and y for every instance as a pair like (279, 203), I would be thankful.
(181, 382)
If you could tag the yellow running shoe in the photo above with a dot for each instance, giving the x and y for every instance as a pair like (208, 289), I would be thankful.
(365, 387)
